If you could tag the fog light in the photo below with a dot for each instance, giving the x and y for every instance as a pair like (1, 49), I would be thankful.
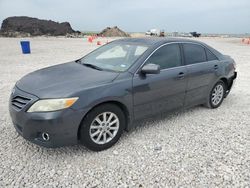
(45, 136)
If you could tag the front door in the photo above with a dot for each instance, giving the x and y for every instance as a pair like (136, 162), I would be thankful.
(154, 93)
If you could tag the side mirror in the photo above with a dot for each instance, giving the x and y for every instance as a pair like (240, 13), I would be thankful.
(150, 69)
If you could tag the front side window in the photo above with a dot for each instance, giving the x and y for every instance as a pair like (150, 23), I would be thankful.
(114, 56)
(194, 53)
(167, 56)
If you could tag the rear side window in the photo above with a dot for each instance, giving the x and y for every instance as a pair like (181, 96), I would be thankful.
(194, 53)
(167, 56)
(210, 56)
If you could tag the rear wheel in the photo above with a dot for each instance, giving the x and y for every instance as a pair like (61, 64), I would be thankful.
(102, 127)
(216, 95)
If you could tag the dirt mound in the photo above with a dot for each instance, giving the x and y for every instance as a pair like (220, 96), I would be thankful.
(113, 32)
(34, 27)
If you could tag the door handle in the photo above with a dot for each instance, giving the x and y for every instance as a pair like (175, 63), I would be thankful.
(215, 67)
(181, 75)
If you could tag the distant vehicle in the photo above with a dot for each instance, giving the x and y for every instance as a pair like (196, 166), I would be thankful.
(162, 33)
(156, 32)
(195, 34)
(94, 99)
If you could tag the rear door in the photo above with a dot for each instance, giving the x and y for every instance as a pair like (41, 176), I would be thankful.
(202, 67)
(154, 93)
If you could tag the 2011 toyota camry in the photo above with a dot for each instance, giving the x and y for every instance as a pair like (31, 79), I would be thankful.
(94, 99)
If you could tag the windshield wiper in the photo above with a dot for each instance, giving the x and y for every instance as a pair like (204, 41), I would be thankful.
(92, 66)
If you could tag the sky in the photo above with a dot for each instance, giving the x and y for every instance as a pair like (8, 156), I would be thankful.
(205, 16)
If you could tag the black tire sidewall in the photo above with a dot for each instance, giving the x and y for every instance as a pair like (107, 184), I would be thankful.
(210, 95)
(85, 138)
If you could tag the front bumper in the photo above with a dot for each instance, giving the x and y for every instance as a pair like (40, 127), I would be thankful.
(61, 126)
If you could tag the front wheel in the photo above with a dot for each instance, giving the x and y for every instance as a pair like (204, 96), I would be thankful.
(102, 127)
(216, 95)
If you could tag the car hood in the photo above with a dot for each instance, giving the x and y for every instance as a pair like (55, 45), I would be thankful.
(63, 80)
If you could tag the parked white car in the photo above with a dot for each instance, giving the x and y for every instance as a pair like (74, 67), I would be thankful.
(155, 32)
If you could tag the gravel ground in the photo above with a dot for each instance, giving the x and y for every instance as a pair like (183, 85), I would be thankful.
(197, 147)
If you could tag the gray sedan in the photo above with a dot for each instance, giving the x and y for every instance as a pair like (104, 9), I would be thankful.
(94, 99)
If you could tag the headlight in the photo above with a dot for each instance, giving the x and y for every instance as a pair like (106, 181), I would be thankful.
(46, 105)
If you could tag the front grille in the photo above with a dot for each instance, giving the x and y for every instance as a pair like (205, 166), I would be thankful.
(19, 102)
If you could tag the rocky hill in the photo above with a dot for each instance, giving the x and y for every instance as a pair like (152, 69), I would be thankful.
(22, 25)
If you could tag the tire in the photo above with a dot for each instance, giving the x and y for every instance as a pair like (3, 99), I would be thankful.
(212, 102)
(94, 124)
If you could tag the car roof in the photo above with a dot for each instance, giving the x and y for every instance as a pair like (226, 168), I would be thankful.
(156, 40)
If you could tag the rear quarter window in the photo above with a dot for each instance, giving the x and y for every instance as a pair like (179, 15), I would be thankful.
(210, 56)
(194, 53)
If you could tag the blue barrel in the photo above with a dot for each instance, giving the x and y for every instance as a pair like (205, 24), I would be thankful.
(25, 47)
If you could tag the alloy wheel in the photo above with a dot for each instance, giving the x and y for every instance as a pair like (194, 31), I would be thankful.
(217, 94)
(104, 127)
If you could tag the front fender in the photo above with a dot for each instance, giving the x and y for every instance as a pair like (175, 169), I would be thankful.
(119, 91)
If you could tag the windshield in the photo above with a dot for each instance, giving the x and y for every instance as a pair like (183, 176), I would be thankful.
(114, 56)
